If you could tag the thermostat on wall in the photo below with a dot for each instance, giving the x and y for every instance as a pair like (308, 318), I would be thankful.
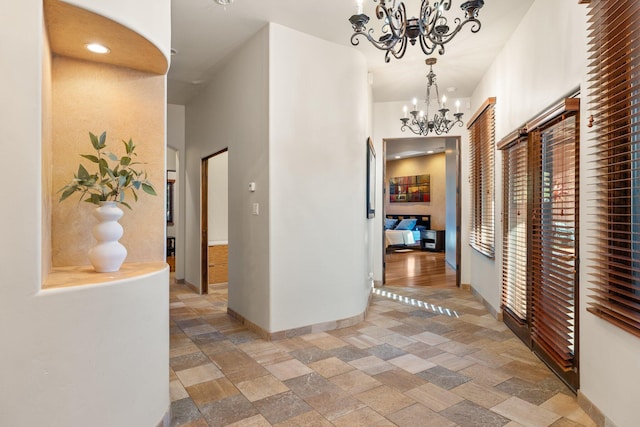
(252, 186)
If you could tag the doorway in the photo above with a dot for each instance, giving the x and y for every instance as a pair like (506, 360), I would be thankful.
(214, 220)
(433, 163)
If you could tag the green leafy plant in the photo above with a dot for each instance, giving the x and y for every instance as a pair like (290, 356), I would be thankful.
(111, 180)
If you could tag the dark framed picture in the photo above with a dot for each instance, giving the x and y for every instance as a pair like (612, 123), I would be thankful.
(371, 179)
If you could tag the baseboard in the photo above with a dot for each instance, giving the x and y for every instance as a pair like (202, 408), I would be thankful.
(494, 313)
(192, 286)
(166, 420)
(304, 330)
(593, 411)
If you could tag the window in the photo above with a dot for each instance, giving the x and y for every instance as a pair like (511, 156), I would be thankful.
(481, 154)
(553, 275)
(515, 294)
(615, 42)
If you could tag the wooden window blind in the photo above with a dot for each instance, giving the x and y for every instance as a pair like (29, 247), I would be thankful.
(481, 180)
(615, 76)
(515, 294)
(553, 238)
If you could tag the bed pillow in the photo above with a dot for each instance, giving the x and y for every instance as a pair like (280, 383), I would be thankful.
(407, 224)
(389, 223)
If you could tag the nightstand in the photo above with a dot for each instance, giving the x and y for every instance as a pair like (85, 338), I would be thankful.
(432, 240)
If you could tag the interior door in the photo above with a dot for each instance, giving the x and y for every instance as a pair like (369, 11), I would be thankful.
(553, 275)
(515, 290)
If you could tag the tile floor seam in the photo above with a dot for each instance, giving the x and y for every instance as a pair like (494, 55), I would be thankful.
(210, 393)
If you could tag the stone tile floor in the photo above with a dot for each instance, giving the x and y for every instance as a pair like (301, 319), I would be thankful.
(443, 363)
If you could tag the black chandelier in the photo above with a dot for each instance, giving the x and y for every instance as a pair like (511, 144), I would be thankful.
(431, 28)
(420, 123)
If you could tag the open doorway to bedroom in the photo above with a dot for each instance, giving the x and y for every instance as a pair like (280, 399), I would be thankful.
(215, 221)
(421, 211)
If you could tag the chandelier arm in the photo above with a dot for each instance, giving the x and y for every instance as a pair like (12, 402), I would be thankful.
(391, 16)
(402, 128)
(431, 28)
(445, 5)
(373, 41)
(443, 39)
(424, 45)
(399, 52)
(396, 19)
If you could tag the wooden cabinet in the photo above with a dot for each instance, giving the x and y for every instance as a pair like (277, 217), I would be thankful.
(218, 263)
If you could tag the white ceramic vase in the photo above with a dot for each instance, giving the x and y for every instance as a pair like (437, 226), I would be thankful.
(108, 255)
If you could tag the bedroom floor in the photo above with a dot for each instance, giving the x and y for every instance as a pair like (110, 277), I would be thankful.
(447, 364)
(418, 268)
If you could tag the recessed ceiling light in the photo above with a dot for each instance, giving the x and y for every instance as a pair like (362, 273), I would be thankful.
(430, 152)
(97, 48)
(398, 157)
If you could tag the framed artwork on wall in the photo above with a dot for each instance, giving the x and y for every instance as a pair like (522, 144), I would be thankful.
(411, 189)
(371, 179)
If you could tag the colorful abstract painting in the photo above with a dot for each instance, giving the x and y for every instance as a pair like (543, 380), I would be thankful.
(410, 189)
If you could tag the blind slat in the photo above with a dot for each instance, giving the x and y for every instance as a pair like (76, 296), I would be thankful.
(482, 136)
(614, 34)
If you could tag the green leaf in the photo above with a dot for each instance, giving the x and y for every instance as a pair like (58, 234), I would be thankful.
(104, 167)
(148, 189)
(137, 184)
(83, 175)
(135, 195)
(94, 141)
(68, 192)
(95, 199)
(103, 137)
(129, 146)
(94, 159)
(112, 157)
(125, 161)
(126, 204)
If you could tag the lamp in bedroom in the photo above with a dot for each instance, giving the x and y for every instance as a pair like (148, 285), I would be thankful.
(420, 122)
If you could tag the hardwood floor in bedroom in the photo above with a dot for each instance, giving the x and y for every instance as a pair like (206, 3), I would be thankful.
(418, 268)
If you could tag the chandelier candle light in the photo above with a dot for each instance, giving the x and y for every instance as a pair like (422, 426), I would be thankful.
(431, 28)
(420, 123)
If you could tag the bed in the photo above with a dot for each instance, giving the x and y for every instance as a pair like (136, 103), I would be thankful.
(404, 230)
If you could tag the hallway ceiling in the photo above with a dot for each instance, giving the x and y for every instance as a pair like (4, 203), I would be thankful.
(204, 33)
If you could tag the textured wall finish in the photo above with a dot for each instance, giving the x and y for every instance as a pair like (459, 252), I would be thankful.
(90, 97)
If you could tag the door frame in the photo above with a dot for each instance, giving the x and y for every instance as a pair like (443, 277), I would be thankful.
(458, 207)
(204, 221)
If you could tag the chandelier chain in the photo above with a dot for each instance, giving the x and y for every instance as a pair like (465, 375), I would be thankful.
(421, 123)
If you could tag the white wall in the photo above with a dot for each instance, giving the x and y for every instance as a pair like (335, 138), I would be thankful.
(535, 69)
(319, 242)
(218, 186)
(63, 350)
(386, 125)
(176, 142)
(306, 151)
(217, 119)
